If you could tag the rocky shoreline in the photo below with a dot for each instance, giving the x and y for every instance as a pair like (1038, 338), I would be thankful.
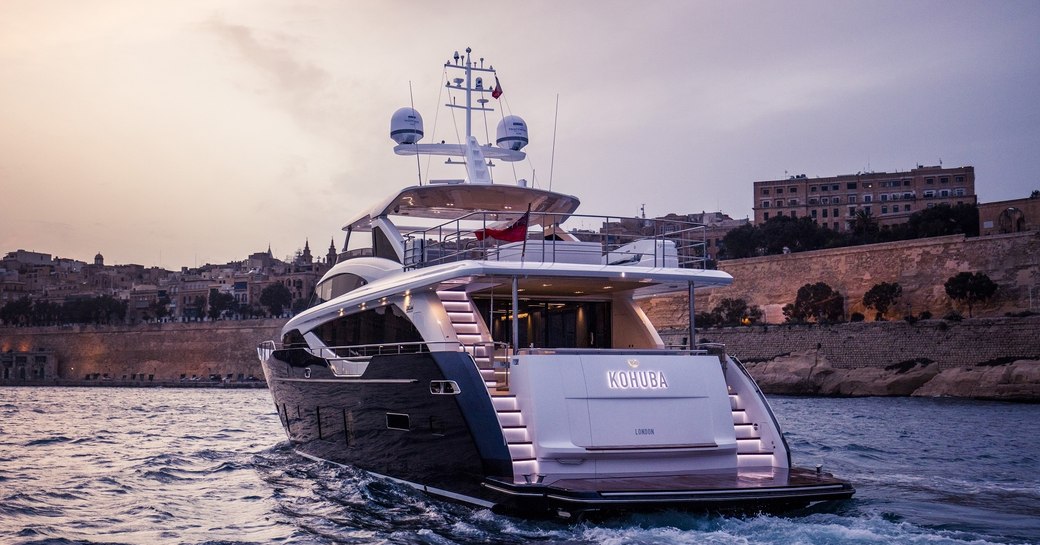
(809, 373)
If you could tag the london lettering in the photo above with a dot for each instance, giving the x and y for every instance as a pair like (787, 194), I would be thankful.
(636, 380)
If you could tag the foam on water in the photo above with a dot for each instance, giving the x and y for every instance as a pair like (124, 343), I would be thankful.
(196, 466)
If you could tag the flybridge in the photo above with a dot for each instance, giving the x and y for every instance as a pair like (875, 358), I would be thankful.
(406, 125)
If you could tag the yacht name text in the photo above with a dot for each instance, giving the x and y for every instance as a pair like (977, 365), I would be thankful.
(636, 380)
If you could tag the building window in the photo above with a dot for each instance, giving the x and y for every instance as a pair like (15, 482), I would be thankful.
(884, 209)
(884, 197)
(906, 183)
(908, 196)
(812, 189)
(834, 187)
(792, 202)
(868, 198)
(906, 208)
(779, 203)
(959, 179)
(835, 213)
(929, 194)
(944, 193)
(959, 192)
(765, 216)
(868, 185)
(765, 190)
(825, 200)
(779, 190)
(944, 180)
(852, 211)
(792, 190)
(813, 214)
(852, 199)
(836, 200)
(813, 200)
(779, 213)
(765, 204)
(850, 185)
(929, 181)
(825, 212)
(794, 214)
(867, 210)
(931, 205)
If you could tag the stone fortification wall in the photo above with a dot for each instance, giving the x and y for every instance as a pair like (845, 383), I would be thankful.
(880, 344)
(919, 266)
(166, 351)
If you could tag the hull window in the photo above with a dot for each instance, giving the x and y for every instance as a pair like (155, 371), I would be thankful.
(382, 325)
(395, 421)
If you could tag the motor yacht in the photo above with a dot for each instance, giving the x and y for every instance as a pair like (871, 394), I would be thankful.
(471, 343)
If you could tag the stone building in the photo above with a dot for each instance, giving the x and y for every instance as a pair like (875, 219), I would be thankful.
(890, 197)
(1014, 216)
(27, 365)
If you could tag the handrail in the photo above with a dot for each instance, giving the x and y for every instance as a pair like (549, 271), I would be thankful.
(615, 243)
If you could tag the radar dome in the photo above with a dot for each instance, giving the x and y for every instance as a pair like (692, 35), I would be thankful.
(512, 133)
(406, 126)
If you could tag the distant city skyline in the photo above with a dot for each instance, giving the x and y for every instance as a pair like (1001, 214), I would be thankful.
(201, 131)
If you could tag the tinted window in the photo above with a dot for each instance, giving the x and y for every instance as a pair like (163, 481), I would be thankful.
(382, 325)
(338, 285)
(381, 246)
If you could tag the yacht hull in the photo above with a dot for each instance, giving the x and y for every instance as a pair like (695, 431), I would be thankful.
(388, 422)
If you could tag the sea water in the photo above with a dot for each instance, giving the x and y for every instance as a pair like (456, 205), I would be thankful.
(145, 466)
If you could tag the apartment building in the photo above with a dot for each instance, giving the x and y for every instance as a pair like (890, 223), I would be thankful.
(889, 197)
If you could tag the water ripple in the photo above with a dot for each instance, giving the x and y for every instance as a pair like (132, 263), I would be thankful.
(212, 467)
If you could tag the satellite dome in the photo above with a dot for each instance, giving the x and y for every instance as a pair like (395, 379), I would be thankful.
(511, 133)
(406, 126)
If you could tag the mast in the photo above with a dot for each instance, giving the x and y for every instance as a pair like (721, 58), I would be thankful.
(406, 124)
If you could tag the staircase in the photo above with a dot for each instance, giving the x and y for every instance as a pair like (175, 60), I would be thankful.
(466, 323)
(750, 451)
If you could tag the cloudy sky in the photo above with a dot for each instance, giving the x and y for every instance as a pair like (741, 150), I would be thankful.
(181, 133)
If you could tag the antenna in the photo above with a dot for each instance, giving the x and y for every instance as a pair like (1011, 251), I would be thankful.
(418, 167)
(552, 159)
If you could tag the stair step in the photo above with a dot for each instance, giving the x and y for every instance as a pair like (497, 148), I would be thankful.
(456, 306)
(517, 435)
(524, 467)
(734, 401)
(511, 419)
(505, 403)
(468, 338)
(466, 317)
(740, 416)
(466, 329)
(745, 431)
(521, 451)
(452, 296)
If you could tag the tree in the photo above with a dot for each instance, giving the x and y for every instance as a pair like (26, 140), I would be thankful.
(275, 297)
(160, 308)
(881, 297)
(944, 220)
(219, 302)
(17, 312)
(864, 227)
(817, 302)
(970, 288)
(731, 312)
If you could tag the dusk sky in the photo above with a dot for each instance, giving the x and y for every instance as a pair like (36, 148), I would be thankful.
(181, 133)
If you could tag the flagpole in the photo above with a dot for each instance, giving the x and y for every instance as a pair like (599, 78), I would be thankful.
(523, 249)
